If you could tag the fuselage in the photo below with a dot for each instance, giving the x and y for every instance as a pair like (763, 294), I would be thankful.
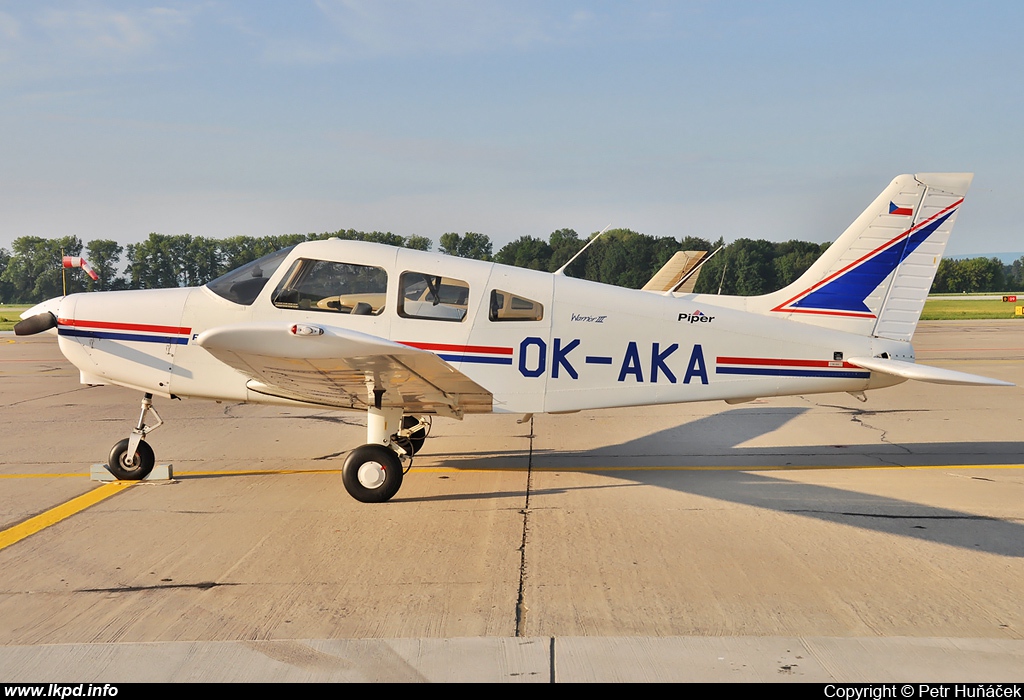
(538, 342)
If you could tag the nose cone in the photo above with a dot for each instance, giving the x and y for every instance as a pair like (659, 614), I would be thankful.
(36, 324)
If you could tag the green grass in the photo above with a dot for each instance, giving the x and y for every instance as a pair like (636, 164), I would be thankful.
(952, 309)
(10, 314)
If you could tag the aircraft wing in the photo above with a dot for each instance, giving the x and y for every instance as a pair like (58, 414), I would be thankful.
(923, 373)
(339, 367)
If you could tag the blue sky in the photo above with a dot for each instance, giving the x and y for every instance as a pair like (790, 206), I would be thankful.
(735, 119)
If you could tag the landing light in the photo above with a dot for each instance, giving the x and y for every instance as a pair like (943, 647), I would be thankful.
(302, 329)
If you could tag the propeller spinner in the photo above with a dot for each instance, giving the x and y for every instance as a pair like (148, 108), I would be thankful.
(36, 324)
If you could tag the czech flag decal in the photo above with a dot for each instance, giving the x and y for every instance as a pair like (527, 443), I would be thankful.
(900, 211)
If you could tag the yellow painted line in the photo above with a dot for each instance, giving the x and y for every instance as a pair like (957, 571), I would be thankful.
(257, 472)
(80, 475)
(716, 468)
(721, 468)
(76, 505)
(768, 468)
(478, 470)
(65, 510)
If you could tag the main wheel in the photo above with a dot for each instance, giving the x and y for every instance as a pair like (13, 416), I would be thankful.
(414, 443)
(372, 473)
(134, 468)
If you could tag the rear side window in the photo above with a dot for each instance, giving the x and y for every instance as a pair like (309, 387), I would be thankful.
(506, 306)
(423, 295)
(322, 285)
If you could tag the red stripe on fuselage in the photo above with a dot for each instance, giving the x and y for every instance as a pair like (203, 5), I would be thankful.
(444, 347)
(107, 325)
(851, 314)
(780, 362)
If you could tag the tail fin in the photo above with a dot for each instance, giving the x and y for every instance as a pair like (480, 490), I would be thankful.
(875, 278)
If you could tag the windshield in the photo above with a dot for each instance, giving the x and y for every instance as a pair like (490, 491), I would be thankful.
(243, 284)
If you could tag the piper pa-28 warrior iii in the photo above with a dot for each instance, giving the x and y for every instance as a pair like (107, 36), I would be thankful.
(406, 335)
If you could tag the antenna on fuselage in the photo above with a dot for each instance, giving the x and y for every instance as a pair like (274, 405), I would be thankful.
(561, 270)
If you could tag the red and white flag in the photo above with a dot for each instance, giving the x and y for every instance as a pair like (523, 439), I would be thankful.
(71, 261)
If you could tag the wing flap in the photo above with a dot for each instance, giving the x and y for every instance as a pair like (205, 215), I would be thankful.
(341, 368)
(924, 373)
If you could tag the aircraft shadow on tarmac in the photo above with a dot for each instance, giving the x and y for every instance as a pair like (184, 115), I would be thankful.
(724, 431)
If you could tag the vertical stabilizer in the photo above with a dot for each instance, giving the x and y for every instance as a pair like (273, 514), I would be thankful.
(875, 278)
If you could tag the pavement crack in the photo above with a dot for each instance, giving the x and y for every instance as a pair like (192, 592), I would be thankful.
(520, 602)
(338, 420)
(329, 456)
(883, 434)
(48, 396)
(857, 416)
(203, 586)
(894, 516)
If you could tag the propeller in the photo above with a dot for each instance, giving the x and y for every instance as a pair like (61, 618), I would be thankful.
(35, 324)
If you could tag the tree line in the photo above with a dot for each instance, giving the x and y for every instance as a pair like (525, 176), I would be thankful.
(31, 271)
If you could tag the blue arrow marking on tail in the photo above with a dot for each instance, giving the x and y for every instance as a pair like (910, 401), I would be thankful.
(848, 291)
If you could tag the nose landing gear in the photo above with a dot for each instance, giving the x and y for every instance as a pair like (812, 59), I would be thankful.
(132, 459)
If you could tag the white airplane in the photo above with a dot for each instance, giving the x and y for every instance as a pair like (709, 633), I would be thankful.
(406, 335)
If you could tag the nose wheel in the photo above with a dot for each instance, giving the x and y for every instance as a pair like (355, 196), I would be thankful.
(134, 467)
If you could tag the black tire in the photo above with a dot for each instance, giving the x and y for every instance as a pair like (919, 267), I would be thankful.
(415, 441)
(372, 473)
(134, 469)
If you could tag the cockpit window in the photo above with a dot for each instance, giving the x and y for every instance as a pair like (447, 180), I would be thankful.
(321, 285)
(243, 284)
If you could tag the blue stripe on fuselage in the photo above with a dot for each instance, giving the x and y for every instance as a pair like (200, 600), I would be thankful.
(771, 371)
(477, 358)
(107, 335)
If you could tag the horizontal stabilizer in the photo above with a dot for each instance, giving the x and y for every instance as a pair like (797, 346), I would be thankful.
(924, 373)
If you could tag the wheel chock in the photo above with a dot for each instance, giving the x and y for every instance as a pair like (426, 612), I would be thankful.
(161, 472)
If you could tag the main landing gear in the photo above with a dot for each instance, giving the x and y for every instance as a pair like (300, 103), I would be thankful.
(373, 472)
(132, 459)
